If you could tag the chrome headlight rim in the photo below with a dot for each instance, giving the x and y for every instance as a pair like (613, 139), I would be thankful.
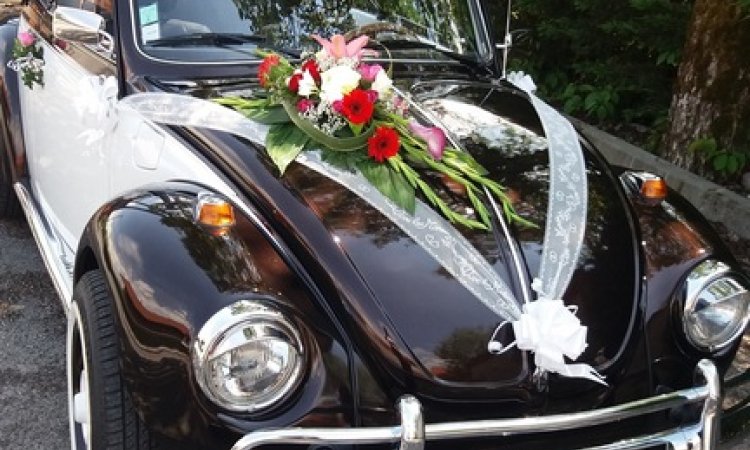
(223, 324)
(695, 285)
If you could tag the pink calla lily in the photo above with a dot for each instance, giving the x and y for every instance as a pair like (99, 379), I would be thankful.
(434, 136)
(337, 47)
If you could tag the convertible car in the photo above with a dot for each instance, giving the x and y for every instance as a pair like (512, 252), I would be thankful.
(222, 296)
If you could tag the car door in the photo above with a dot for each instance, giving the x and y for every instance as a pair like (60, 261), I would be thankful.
(65, 125)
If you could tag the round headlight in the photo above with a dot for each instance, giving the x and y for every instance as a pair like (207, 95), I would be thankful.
(248, 357)
(716, 306)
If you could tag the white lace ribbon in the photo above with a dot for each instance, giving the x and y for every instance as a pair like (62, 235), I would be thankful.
(562, 244)
(547, 327)
(426, 227)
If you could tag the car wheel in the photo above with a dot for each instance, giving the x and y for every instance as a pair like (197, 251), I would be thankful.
(9, 207)
(101, 413)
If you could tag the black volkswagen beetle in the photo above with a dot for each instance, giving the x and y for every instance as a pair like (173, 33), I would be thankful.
(215, 302)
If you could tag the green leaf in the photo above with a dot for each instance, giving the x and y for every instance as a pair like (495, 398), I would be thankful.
(259, 110)
(720, 162)
(464, 162)
(733, 164)
(573, 104)
(284, 143)
(592, 99)
(390, 183)
(327, 141)
(703, 145)
(356, 128)
(344, 160)
(742, 159)
(269, 116)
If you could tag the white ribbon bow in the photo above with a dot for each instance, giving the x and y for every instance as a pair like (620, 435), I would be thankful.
(96, 105)
(551, 330)
(522, 81)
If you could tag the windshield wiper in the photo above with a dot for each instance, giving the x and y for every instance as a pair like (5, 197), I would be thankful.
(207, 39)
(405, 44)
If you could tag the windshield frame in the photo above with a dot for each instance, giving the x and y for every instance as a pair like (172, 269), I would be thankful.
(484, 47)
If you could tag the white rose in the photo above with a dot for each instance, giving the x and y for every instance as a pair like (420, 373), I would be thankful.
(307, 85)
(382, 84)
(337, 82)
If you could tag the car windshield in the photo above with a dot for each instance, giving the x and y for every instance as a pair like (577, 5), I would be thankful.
(225, 30)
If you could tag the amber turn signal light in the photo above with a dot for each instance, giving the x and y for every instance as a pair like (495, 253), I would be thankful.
(654, 189)
(648, 187)
(213, 211)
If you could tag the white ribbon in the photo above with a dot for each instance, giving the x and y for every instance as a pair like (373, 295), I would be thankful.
(426, 227)
(545, 326)
(96, 102)
(522, 81)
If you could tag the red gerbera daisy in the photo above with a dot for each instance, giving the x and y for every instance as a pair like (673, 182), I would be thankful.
(383, 144)
(357, 107)
(269, 62)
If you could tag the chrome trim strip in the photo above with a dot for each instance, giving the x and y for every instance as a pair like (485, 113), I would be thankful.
(513, 245)
(700, 436)
(45, 241)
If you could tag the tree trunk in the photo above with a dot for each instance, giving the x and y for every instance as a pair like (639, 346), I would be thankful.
(712, 92)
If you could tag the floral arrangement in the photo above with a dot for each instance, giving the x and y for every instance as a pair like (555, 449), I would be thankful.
(28, 59)
(350, 110)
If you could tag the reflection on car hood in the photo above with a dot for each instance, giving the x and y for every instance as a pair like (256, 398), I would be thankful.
(419, 324)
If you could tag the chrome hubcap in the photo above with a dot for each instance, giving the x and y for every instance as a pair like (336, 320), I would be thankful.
(79, 404)
(81, 410)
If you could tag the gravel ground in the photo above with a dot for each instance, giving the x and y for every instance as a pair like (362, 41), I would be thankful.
(33, 405)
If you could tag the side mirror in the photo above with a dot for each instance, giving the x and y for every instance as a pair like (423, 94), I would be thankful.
(78, 25)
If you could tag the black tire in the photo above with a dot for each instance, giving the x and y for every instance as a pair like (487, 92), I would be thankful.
(9, 206)
(114, 423)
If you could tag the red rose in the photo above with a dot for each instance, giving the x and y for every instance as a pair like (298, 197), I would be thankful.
(357, 107)
(294, 82)
(269, 62)
(383, 144)
(312, 67)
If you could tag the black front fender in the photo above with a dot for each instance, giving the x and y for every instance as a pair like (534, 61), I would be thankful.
(675, 238)
(168, 275)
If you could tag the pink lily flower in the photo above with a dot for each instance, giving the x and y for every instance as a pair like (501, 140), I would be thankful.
(434, 136)
(370, 71)
(26, 38)
(337, 47)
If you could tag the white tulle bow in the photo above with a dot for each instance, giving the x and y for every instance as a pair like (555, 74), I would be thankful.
(522, 81)
(96, 106)
(551, 330)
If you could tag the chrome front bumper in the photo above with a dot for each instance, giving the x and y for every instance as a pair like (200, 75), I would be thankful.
(412, 433)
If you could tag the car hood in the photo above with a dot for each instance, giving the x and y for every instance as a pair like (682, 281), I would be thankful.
(413, 322)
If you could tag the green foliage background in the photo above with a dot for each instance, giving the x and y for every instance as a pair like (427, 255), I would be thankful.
(610, 61)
